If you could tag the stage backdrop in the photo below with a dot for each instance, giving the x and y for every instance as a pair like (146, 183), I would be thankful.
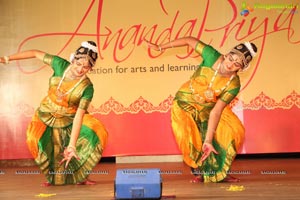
(134, 87)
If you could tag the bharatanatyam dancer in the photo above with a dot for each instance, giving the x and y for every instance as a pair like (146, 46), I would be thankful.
(207, 132)
(65, 141)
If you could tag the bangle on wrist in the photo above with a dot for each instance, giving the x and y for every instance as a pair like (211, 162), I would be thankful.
(207, 141)
(6, 59)
(71, 147)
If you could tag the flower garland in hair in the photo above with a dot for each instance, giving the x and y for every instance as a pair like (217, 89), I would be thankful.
(85, 45)
(249, 47)
(72, 56)
(89, 46)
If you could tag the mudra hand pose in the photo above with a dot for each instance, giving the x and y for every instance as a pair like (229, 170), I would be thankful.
(207, 132)
(65, 141)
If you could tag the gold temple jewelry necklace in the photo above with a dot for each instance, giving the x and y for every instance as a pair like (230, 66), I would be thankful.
(209, 93)
(60, 94)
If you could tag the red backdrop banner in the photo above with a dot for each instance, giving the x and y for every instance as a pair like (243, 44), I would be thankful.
(134, 86)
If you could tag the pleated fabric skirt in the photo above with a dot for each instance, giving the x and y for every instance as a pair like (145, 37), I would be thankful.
(47, 144)
(190, 132)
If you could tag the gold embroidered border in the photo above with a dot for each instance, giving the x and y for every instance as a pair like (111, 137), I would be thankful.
(262, 101)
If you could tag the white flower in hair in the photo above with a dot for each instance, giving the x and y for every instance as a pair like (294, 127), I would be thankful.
(72, 56)
(89, 46)
(249, 47)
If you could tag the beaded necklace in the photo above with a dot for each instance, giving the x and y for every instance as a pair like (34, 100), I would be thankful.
(59, 93)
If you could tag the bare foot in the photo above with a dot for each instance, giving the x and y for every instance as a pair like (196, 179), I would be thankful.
(197, 179)
(87, 182)
(231, 179)
(46, 184)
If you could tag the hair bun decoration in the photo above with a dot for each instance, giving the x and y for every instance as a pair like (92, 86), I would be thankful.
(87, 50)
(89, 46)
(246, 51)
(250, 48)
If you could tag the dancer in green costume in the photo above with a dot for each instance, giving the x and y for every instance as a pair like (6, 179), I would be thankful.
(65, 141)
(207, 132)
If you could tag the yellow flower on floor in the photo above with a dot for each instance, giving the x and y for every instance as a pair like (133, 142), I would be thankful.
(236, 188)
(45, 195)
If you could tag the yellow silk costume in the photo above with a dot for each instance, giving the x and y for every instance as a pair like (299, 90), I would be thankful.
(190, 115)
(49, 132)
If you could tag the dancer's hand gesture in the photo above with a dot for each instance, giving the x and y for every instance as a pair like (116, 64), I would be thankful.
(68, 154)
(207, 148)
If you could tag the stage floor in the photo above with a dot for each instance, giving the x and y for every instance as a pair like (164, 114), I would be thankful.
(260, 179)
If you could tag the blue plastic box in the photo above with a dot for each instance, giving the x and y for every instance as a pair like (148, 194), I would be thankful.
(138, 184)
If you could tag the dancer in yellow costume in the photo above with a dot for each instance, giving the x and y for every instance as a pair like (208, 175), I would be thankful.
(207, 132)
(65, 141)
